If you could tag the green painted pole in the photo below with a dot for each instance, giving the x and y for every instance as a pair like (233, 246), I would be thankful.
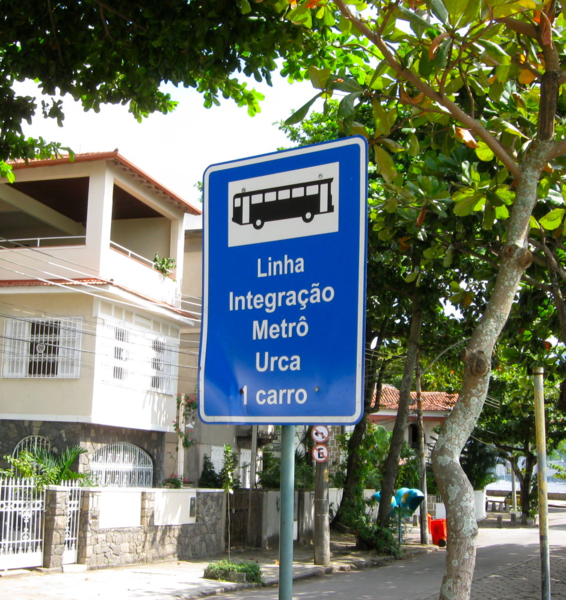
(542, 487)
(287, 510)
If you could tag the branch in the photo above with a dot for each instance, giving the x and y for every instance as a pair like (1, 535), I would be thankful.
(557, 149)
(521, 27)
(552, 263)
(413, 79)
(55, 32)
(537, 284)
(121, 15)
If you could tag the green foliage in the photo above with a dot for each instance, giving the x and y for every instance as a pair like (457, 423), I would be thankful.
(220, 570)
(47, 467)
(209, 478)
(370, 536)
(174, 482)
(229, 481)
(165, 265)
(560, 471)
(270, 476)
(188, 405)
(130, 50)
(478, 461)
(373, 451)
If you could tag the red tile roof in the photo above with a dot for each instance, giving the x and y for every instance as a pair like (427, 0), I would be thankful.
(431, 401)
(92, 281)
(119, 159)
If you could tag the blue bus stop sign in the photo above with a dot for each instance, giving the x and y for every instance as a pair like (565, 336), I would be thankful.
(284, 287)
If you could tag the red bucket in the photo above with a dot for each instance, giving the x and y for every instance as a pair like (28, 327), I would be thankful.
(439, 532)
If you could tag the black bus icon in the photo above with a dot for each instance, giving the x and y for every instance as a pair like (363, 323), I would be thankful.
(303, 200)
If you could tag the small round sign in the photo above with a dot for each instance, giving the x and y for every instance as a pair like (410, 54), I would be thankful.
(320, 433)
(320, 453)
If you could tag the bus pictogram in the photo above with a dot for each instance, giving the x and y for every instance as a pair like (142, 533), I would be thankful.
(304, 200)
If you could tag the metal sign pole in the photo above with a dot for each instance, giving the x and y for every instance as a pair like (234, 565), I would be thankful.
(542, 487)
(287, 512)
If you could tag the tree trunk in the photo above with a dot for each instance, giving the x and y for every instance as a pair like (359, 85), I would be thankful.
(351, 493)
(391, 466)
(454, 487)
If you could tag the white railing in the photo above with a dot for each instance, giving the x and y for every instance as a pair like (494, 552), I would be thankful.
(131, 254)
(21, 523)
(72, 527)
(37, 242)
(122, 465)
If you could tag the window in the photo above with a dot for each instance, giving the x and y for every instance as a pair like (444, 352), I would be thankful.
(161, 376)
(42, 348)
(31, 443)
(138, 359)
(122, 465)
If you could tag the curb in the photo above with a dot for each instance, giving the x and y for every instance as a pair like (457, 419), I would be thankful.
(339, 566)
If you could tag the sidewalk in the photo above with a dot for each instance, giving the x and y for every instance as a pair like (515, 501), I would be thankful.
(184, 579)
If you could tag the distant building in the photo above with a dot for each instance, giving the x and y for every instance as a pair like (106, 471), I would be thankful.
(436, 406)
(90, 327)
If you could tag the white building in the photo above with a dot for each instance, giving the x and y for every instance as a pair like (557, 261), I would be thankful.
(91, 331)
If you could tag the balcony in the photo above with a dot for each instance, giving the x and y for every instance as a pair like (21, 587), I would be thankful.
(265, 433)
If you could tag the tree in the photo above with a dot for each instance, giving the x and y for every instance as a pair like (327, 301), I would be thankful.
(488, 74)
(48, 467)
(120, 52)
(509, 427)
(405, 283)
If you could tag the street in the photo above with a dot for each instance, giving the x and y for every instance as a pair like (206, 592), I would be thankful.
(419, 578)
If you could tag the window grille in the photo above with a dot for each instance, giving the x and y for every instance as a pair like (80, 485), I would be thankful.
(217, 457)
(42, 348)
(138, 360)
(122, 465)
(31, 443)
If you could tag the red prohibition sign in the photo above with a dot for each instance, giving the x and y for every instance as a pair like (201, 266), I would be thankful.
(320, 433)
(320, 453)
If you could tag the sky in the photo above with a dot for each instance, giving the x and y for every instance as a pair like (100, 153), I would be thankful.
(175, 149)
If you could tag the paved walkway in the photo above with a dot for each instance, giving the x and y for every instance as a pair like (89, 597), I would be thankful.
(184, 580)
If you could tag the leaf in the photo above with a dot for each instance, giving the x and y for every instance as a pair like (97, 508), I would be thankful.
(436, 43)
(526, 77)
(414, 146)
(468, 14)
(300, 114)
(245, 7)
(381, 118)
(468, 205)
(467, 137)
(553, 219)
(346, 108)
(488, 218)
(359, 129)
(484, 152)
(418, 24)
(345, 84)
(319, 77)
(545, 30)
(412, 276)
(439, 10)
(384, 164)
(391, 145)
(390, 206)
(301, 16)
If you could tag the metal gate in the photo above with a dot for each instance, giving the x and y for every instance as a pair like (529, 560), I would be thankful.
(21, 523)
(72, 526)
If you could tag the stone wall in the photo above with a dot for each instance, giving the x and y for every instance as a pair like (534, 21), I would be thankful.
(90, 436)
(101, 548)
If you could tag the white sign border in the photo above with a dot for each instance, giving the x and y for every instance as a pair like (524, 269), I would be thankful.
(291, 420)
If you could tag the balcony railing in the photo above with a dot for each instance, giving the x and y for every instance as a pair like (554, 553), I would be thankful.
(42, 242)
(131, 254)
